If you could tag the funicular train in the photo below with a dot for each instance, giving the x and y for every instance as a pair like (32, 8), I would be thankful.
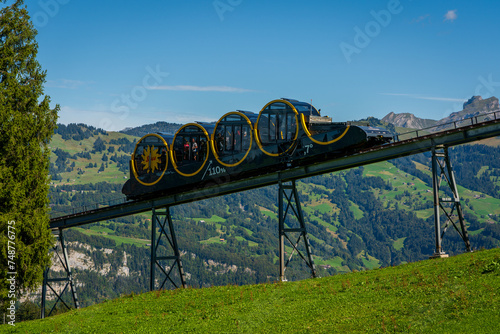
(285, 134)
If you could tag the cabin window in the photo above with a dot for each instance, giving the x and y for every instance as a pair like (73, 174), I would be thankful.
(190, 149)
(232, 139)
(277, 127)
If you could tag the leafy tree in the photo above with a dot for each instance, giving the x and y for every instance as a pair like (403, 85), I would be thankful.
(28, 310)
(26, 125)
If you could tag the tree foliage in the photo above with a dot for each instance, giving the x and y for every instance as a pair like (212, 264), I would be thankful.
(26, 125)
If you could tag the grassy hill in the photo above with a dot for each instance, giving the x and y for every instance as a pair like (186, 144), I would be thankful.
(459, 294)
(80, 173)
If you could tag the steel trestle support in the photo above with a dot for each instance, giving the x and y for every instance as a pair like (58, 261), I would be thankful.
(68, 279)
(159, 261)
(450, 206)
(289, 192)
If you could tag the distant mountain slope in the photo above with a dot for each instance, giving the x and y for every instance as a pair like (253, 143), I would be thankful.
(473, 107)
(81, 155)
(143, 130)
(407, 120)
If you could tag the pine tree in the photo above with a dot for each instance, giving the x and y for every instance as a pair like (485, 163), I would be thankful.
(26, 125)
(99, 145)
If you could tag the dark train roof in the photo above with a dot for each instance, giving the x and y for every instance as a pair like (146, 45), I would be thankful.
(305, 108)
(301, 107)
(250, 114)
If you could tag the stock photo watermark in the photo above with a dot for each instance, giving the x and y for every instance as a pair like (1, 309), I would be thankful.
(223, 6)
(486, 84)
(49, 9)
(11, 272)
(373, 28)
(126, 102)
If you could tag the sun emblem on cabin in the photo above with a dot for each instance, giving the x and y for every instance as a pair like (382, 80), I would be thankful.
(150, 159)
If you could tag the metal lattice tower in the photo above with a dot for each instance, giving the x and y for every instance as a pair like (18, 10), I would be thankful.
(59, 247)
(166, 263)
(289, 192)
(449, 206)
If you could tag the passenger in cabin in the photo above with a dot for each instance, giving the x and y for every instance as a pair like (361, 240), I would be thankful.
(186, 150)
(246, 139)
(194, 150)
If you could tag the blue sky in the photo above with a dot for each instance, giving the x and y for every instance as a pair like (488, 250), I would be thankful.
(117, 64)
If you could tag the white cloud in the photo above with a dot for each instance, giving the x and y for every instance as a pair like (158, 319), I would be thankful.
(450, 15)
(189, 88)
(432, 98)
(425, 17)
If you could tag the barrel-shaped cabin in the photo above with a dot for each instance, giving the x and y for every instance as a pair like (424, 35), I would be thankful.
(190, 149)
(232, 137)
(150, 158)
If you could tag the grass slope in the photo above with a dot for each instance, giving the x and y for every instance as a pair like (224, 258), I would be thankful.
(107, 233)
(91, 175)
(458, 294)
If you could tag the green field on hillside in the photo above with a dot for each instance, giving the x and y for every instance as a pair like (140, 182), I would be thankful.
(477, 203)
(105, 232)
(454, 295)
(111, 174)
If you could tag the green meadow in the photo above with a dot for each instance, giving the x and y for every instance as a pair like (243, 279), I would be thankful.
(453, 295)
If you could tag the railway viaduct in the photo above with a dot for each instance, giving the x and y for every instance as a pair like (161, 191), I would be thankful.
(437, 140)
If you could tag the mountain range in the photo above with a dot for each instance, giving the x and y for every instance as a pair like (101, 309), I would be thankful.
(473, 107)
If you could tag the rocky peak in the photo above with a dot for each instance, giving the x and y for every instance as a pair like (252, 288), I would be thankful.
(472, 101)
(473, 107)
(407, 120)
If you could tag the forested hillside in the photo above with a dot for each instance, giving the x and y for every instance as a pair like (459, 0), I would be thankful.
(150, 128)
(369, 217)
(83, 155)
